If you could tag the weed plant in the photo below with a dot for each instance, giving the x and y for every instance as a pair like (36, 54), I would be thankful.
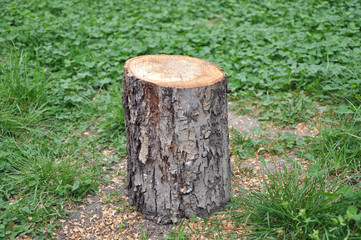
(338, 145)
(301, 205)
(112, 124)
(23, 82)
(38, 171)
(22, 94)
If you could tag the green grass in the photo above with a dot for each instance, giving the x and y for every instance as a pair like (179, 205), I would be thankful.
(34, 186)
(284, 109)
(244, 146)
(23, 81)
(338, 145)
(287, 62)
(22, 94)
(301, 205)
(44, 162)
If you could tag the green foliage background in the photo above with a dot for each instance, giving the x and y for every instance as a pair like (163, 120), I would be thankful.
(61, 65)
(272, 45)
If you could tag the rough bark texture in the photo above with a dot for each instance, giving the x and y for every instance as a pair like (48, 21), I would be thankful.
(178, 157)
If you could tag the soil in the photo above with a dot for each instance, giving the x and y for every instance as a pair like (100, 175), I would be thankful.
(107, 215)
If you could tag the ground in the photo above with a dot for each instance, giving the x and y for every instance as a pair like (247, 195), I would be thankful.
(107, 215)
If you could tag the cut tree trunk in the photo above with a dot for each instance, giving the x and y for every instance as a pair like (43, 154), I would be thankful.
(177, 132)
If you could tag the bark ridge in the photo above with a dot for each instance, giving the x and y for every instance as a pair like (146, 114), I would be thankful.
(178, 158)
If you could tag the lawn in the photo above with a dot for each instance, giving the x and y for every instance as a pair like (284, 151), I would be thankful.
(287, 62)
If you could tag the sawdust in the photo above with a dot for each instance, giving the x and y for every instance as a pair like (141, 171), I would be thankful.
(107, 215)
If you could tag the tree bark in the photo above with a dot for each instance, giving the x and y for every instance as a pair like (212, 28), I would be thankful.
(177, 132)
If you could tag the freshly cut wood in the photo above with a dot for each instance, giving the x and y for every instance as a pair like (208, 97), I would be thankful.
(177, 132)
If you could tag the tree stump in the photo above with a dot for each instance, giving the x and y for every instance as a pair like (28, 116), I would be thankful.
(177, 131)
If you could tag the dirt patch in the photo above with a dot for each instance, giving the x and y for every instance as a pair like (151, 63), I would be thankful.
(107, 214)
(246, 124)
(243, 123)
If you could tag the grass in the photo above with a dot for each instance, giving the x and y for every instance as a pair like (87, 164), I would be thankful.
(23, 81)
(44, 163)
(22, 94)
(244, 146)
(287, 62)
(284, 109)
(339, 144)
(301, 205)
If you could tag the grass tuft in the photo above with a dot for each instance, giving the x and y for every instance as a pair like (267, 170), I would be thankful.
(338, 145)
(22, 81)
(294, 204)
